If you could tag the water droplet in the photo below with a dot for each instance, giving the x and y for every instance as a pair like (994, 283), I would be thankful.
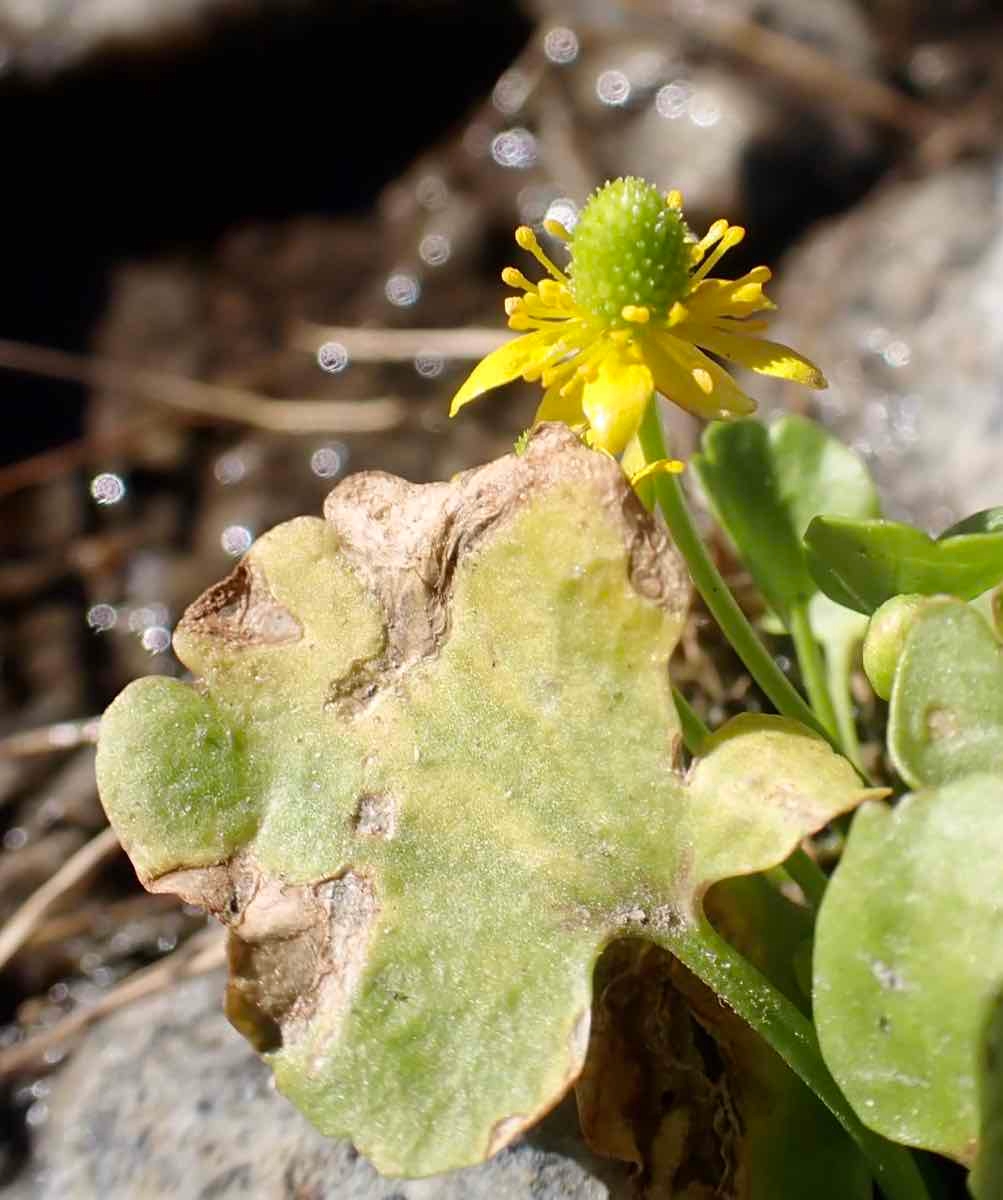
(564, 210)
(897, 353)
(402, 289)
(515, 148)
(332, 357)
(560, 45)
(15, 839)
(229, 468)
(107, 488)
(101, 617)
(435, 249)
(673, 100)
(429, 365)
(327, 462)
(613, 88)
(236, 539)
(146, 615)
(156, 639)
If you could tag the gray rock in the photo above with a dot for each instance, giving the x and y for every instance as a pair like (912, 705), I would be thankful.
(165, 1101)
(899, 303)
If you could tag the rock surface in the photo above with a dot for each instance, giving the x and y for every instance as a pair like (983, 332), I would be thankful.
(899, 304)
(165, 1101)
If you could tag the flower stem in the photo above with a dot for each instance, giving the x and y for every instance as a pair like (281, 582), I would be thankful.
(838, 672)
(784, 1028)
(693, 729)
(813, 669)
(712, 587)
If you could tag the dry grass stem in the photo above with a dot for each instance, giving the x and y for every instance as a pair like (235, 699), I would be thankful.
(207, 401)
(32, 912)
(47, 739)
(200, 954)
(398, 345)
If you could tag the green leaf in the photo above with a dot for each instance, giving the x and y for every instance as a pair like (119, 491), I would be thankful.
(908, 957)
(861, 564)
(986, 1179)
(454, 780)
(766, 486)
(989, 520)
(946, 712)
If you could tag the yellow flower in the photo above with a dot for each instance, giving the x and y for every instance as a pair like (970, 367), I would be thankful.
(634, 314)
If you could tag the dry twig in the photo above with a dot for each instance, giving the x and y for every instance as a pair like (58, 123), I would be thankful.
(206, 401)
(397, 345)
(200, 954)
(46, 739)
(32, 912)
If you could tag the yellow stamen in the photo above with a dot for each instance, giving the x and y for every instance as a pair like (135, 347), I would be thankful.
(664, 466)
(638, 314)
(556, 229)
(714, 234)
(586, 366)
(514, 278)
(674, 199)
(732, 237)
(555, 294)
(703, 380)
(513, 305)
(526, 239)
(677, 314)
(535, 306)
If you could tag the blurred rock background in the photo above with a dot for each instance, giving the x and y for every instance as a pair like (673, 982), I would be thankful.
(223, 217)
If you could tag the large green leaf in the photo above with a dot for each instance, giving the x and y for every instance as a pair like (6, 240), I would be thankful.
(863, 563)
(430, 771)
(946, 714)
(908, 955)
(766, 485)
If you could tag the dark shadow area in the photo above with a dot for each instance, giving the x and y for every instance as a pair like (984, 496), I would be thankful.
(304, 109)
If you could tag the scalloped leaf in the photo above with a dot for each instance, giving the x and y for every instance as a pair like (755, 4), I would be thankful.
(945, 718)
(766, 485)
(909, 956)
(429, 773)
(861, 564)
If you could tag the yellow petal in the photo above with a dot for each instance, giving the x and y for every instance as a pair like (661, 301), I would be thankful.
(506, 363)
(566, 408)
(615, 400)
(713, 298)
(768, 358)
(695, 382)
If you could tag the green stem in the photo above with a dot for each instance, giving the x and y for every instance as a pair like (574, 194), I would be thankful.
(808, 875)
(712, 587)
(812, 668)
(839, 669)
(792, 1036)
(693, 729)
(801, 867)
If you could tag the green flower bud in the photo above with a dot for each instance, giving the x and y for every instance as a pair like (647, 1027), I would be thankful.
(629, 249)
